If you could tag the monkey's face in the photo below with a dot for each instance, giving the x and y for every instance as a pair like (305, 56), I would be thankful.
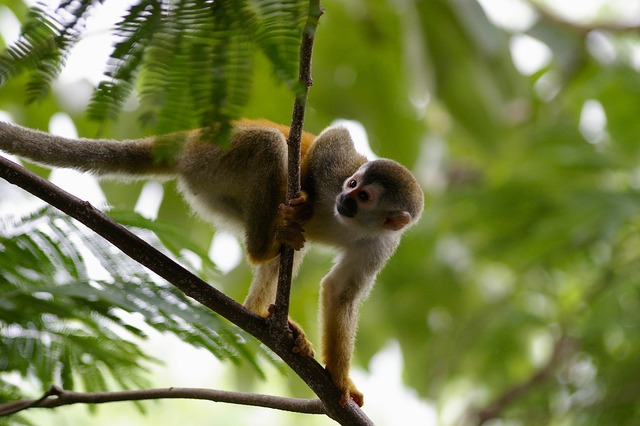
(375, 198)
(359, 202)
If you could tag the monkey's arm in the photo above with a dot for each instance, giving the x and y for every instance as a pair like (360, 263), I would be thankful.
(343, 289)
(340, 295)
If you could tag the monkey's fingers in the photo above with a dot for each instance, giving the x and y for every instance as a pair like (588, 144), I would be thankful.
(302, 345)
(301, 199)
(299, 214)
(299, 210)
(290, 233)
(354, 394)
(357, 396)
(347, 388)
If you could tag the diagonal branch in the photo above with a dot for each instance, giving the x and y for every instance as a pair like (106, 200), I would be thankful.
(57, 397)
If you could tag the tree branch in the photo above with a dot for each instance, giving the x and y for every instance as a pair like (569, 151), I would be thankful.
(57, 397)
(280, 315)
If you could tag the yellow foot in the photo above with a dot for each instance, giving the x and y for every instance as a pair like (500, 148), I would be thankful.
(347, 388)
(302, 345)
(351, 392)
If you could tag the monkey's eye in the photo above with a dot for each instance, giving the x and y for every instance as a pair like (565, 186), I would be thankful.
(352, 183)
(363, 195)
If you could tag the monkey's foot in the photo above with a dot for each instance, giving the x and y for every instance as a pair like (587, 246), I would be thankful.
(302, 345)
(352, 392)
(348, 390)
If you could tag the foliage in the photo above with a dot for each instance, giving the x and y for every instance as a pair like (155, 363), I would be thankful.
(192, 56)
(520, 284)
(61, 325)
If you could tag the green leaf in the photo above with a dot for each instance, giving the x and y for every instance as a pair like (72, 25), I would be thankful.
(193, 59)
(64, 327)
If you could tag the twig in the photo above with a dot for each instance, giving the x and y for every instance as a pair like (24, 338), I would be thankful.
(57, 397)
(280, 314)
(13, 407)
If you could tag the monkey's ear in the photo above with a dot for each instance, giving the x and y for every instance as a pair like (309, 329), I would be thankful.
(395, 221)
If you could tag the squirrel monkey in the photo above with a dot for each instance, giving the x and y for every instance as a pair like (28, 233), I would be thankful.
(358, 207)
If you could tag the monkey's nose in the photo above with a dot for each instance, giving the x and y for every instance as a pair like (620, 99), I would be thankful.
(347, 206)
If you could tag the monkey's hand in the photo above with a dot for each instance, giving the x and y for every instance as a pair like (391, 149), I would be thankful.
(302, 345)
(348, 389)
(291, 218)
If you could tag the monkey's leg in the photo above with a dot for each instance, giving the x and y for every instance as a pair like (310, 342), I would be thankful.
(264, 184)
(262, 296)
(262, 292)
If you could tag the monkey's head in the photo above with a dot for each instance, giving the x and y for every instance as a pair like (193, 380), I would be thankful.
(380, 195)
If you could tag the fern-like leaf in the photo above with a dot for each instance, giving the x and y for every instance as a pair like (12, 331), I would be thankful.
(279, 35)
(136, 31)
(230, 60)
(193, 58)
(60, 325)
(45, 42)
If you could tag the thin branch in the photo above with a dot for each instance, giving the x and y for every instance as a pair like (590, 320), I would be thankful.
(280, 314)
(57, 397)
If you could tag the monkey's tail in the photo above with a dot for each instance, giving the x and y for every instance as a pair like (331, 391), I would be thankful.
(131, 158)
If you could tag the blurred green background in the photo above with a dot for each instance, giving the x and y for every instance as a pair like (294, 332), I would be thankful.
(516, 299)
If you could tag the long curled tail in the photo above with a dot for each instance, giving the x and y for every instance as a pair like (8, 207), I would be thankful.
(101, 156)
